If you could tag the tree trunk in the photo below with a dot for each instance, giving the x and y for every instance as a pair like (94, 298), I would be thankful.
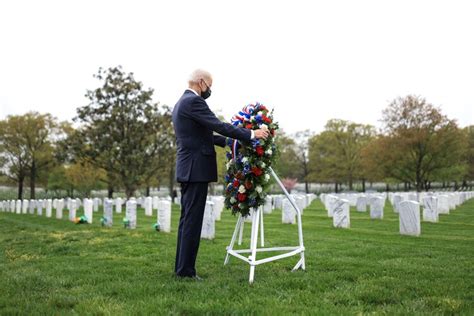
(350, 183)
(147, 190)
(363, 185)
(110, 192)
(387, 187)
(306, 186)
(455, 185)
(20, 188)
(32, 180)
(335, 188)
(129, 191)
(171, 183)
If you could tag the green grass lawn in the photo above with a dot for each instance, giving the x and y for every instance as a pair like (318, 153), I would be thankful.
(50, 266)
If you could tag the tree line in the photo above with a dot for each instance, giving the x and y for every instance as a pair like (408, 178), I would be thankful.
(416, 147)
(123, 140)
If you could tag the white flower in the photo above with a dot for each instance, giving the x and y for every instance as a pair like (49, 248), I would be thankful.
(260, 113)
(262, 164)
(233, 200)
(264, 127)
(241, 189)
(269, 152)
(228, 165)
(245, 159)
(258, 189)
(266, 177)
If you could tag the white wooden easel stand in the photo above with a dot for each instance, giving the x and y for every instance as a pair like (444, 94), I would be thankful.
(257, 220)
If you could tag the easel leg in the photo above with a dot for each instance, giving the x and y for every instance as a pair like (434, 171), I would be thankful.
(241, 232)
(262, 237)
(253, 243)
(234, 236)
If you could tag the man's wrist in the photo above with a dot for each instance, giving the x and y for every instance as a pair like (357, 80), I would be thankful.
(252, 134)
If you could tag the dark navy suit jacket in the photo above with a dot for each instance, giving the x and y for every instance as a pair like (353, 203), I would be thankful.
(194, 124)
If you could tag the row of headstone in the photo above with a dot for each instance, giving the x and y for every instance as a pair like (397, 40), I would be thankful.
(406, 204)
(90, 206)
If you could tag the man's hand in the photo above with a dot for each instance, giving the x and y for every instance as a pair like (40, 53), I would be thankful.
(261, 133)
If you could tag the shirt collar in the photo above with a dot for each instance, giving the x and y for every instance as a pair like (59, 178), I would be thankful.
(193, 91)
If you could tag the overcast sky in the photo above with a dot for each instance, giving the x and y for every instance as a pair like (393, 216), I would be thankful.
(309, 60)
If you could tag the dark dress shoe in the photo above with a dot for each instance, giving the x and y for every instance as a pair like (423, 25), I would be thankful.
(197, 278)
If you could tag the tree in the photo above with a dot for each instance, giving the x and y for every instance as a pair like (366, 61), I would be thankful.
(286, 166)
(469, 176)
(121, 129)
(336, 153)
(27, 144)
(423, 144)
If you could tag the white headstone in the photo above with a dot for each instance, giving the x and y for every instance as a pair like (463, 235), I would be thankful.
(148, 206)
(361, 204)
(72, 210)
(278, 200)
(430, 209)
(376, 207)
(397, 198)
(131, 213)
(218, 206)
(88, 209)
(32, 206)
(118, 205)
(267, 207)
(443, 204)
(49, 207)
(24, 208)
(329, 203)
(18, 206)
(164, 215)
(208, 230)
(156, 200)
(39, 205)
(300, 202)
(96, 202)
(410, 218)
(108, 219)
(59, 208)
(341, 214)
(288, 213)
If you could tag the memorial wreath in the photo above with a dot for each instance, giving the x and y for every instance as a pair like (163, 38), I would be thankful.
(247, 178)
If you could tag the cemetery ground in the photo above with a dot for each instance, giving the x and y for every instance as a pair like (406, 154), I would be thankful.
(50, 266)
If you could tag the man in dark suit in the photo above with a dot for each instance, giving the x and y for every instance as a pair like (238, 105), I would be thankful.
(194, 124)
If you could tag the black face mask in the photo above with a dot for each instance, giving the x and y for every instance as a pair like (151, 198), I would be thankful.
(206, 94)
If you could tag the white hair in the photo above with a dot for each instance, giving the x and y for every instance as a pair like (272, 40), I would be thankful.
(199, 74)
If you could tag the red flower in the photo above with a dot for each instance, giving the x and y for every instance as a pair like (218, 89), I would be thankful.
(249, 126)
(236, 183)
(266, 119)
(262, 108)
(239, 175)
(259, 150)
(248, 185)
(272, 131)
(241, 197)
(257, 171)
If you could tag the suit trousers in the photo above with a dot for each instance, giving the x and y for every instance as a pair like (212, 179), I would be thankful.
(193, 203)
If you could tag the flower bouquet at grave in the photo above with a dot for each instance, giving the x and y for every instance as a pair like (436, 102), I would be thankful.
(80, 220)
(157, 226)
(103, 221)
(247, 178)
(126, 222)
